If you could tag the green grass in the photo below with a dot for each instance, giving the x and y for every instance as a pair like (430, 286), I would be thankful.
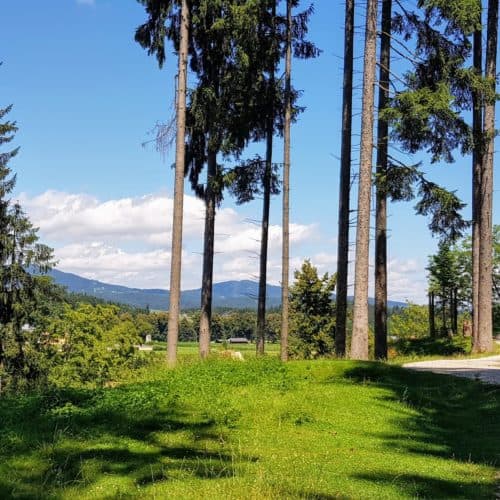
(191, 349)
(256, 429)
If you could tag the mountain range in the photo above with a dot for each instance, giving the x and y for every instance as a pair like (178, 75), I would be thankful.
(231, 294)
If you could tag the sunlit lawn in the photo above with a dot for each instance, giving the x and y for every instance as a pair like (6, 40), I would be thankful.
(256, 429)
(190, 349)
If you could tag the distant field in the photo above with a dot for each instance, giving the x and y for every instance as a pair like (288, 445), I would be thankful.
(256, 429)
(187, 349)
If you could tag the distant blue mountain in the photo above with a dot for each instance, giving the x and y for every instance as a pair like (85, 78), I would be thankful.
(231, 294)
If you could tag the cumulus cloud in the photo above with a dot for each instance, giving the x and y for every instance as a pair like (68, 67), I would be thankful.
(127, 241)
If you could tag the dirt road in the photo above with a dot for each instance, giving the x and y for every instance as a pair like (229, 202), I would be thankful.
(484, 369)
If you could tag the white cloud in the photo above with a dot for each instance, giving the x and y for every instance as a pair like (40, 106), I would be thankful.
(127, 241)
(85, 2)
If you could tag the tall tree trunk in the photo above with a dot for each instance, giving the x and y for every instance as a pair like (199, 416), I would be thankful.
(485, 325)
(285, 254)
(176, 255)
(381, 202)
(454, 311)
(208, 258)
(345, 185)
(444, 327)
(477, 156)
(432, 316)
(261, 305)
(359, 343)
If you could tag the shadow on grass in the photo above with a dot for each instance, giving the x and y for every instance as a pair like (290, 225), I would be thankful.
(455, 419)
(75, 438)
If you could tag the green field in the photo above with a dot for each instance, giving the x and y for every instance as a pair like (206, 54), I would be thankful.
(256, 429)
(190, 350)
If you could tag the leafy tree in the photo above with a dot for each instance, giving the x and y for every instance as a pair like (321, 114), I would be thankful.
(20, 290)
(93, 344)
(411, 321)
(312, 321)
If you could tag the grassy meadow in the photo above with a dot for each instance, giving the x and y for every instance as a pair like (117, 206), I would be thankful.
(255, 429)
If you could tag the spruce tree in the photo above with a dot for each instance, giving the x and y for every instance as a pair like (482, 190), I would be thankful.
(20, 257)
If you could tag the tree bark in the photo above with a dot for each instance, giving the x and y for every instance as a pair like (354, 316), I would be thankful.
(176, 255)
(485, 325)
(454, 311)
(359, 343)
(345, 185)
(432, 317)
(208, 258)
(261, 305)
(381, 196)
(285, 257)
(477, 155)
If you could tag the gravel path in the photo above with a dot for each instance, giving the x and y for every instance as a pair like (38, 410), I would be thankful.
(484, 369)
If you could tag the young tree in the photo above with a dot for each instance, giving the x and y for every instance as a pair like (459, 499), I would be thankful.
(345, 183)
(312, 313)
(145, 36)
(359, 342)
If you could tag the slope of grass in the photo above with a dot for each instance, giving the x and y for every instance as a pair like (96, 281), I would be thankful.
(256, 429)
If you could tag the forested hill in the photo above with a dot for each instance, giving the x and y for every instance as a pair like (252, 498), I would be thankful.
(234, 294)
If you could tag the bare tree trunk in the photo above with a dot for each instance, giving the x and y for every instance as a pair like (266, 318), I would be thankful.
(261, 305)
(454, 311)
(345, 185)
(432, 317)
(444, 327)
(381, 202)
(176, 256)
(485, 325)
(359, 343)
(285, 257)
(477, 156)
(208, 258)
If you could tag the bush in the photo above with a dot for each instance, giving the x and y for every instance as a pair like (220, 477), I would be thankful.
(438, 347)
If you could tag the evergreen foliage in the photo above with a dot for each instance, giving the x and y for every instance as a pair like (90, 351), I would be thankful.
(312, 308)
(22, 293)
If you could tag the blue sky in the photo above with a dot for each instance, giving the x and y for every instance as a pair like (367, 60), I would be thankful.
(85, 96)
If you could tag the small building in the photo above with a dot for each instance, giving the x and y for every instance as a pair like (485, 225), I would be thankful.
(238, 340)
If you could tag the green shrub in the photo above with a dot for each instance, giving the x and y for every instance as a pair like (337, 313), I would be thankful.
(439, 347)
